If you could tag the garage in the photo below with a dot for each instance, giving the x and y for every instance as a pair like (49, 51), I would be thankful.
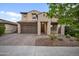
(29, 27)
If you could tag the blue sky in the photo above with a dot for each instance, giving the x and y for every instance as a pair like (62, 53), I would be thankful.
(11, 12)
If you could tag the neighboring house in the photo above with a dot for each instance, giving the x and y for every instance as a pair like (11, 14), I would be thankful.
(10, 27)
(36, 22)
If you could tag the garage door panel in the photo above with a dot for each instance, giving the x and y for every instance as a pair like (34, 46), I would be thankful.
(29, 28)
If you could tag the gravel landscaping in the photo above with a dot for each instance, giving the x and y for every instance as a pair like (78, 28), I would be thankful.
(48, 42)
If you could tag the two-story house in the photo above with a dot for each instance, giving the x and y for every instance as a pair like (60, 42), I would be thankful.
(35, 22)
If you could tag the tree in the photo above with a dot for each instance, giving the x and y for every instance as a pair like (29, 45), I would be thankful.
(67, 13)
(62, 11)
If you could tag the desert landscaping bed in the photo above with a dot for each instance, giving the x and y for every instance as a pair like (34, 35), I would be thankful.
(56, 42)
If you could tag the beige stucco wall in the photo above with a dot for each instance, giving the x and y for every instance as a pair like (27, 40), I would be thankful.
(41, 17)
(28, 17)
(44, 17)
(10, 28)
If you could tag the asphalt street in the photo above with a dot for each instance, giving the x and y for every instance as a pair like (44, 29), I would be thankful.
(38, 51)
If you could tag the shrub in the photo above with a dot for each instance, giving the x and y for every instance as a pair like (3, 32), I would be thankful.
(77, 39)
(60, 39)
(67, 30)
(2, 29)
(68, 36)
(70, 31)
(52, 36)
(77, 36)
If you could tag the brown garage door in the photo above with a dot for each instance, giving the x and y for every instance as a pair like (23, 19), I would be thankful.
(30, 27)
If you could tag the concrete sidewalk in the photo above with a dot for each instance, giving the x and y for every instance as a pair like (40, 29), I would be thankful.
(38, 51)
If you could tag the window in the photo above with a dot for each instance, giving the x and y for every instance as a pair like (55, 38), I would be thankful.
(34, 16)
(24, 15)
(43, 14)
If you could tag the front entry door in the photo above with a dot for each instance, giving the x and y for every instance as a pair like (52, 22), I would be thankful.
(43, 28)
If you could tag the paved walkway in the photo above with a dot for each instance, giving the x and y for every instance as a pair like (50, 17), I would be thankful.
(19, 39)
(38, 51)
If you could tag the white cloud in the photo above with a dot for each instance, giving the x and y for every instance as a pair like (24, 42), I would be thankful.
(2, 12)
(11, 16)
(10, 13)
(14, 19)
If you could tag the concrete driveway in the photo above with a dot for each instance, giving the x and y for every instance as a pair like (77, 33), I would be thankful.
(19, 39)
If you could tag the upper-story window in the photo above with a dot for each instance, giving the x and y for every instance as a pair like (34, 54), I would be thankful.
(24, 15)
(43, 14)
(34, 16)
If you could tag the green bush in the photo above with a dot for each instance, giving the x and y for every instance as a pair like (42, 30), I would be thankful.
(2, 29)
(77, 36)
(60, 39)
(70, 31)
(68, 36)
(67, 30)
(52, 36)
